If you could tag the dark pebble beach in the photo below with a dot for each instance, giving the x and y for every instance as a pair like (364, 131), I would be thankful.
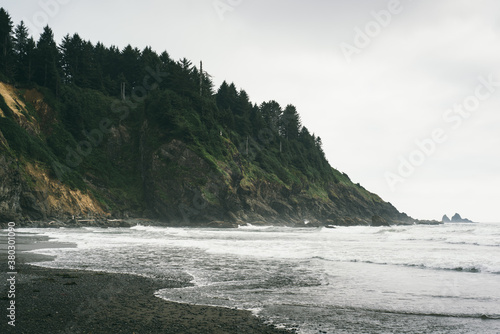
(74, 301)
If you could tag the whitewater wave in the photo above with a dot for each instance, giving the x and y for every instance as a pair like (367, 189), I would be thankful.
(458, 268)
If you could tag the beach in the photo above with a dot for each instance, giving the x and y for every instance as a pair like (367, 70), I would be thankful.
(75, 301)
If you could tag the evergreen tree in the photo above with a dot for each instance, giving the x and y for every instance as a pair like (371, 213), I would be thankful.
(319, 144)
(149, 58)
(71, 53)
(23, 49)
(46, 68)
(186, 80)
(226, 100)
(5, 42)
(77, 62)
(306, 138)
(186, 65)
(30, 59)
(89, 70)
(112, 69)
(205, 83)
(271, 112)
(101, 78)
(290, 123)
(256, 120)
(242, 114)
(226, 96)
(131, 66)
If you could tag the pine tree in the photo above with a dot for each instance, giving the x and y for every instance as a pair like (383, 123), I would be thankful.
(242, 114)
(271, 112)
(30, 59)
(206, 84)
(5, 42)
(70, 50)
(289, 123)
(77, 62)
(131, 66)
(46, 69)
(149, 58)
(89, 69)
(186, 78)
(186, 65)
(23, 50)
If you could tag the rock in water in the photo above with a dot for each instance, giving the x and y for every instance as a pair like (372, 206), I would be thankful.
(445, 219)
(458, 219)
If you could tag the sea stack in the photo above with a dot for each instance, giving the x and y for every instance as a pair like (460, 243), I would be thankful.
(458, 219)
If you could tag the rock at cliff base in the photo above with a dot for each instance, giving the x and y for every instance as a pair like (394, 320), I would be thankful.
(379, 221)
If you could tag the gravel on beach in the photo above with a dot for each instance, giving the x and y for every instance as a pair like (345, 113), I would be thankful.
(74, 301)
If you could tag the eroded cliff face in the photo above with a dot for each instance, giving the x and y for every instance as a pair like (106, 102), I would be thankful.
(10, 190)
(27, 191)
(184, 189)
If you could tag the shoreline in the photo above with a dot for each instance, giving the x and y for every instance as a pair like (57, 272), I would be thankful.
(77, 301)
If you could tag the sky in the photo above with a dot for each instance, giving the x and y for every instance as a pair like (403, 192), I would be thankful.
(405, 95)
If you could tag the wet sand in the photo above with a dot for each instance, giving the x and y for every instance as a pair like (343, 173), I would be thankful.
(75, 301)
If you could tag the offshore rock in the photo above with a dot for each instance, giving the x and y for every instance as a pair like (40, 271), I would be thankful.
(458, 219)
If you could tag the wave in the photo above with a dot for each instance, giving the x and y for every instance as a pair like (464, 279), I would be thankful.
(162, 230)
(435, 314)
(140, 227)
(472, 243)
(255, 227)
(469, 269)
(458, 268)
(483, 316)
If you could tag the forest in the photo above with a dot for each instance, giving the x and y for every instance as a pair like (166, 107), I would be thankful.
(100, 130)
(177, 95)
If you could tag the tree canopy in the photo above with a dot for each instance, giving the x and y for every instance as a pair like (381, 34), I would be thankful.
(178, 95)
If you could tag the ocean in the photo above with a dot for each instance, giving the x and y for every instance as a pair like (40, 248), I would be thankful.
(401, 279)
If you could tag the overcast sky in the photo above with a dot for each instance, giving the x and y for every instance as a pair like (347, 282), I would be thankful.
(404, 94)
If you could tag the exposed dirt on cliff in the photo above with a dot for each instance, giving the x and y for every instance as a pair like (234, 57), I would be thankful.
(26, 189)
(58, 198)
(12, 99)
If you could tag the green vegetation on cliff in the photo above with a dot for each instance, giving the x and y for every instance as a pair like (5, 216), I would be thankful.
(142, 134)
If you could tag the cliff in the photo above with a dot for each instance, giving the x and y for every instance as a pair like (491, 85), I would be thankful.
(105, 165)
